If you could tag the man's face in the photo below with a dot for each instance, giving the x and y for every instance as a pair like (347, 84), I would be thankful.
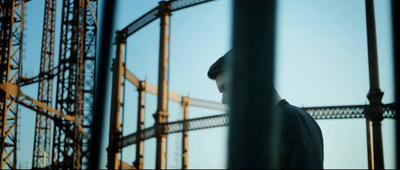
(222, 87)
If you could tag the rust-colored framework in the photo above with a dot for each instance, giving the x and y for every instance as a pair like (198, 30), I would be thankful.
(74, 85)
(75, 74)
(41, 147)
(12, 25)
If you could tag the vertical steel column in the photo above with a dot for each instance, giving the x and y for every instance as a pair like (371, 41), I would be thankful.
(90, 28)
(185, 132)
(11, 43)
(369, 145)
(67, 142)
(115, 124)
(253, 132)
(140, 125)
(79, 84)
(374, 111)
(41, 147)
(161, 116)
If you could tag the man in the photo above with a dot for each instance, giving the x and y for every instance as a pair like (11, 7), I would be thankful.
(301, 137)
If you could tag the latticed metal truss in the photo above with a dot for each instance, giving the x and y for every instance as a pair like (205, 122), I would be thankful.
(42, 147)
(69, 81)
(181, 4)
(199, 123)
(153, 15)
(140, 23)
(75, 82)
(88, 73)
(330, 112)
(345, 112)
(131, 139)
(11, 28)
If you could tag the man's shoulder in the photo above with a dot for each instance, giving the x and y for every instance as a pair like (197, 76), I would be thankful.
(294, 114)
(289, 110)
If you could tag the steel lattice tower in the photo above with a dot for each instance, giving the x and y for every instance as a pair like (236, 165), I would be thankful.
(41, 149)
(68, 99)
(12, 24)
(74, 82)
(89, 72)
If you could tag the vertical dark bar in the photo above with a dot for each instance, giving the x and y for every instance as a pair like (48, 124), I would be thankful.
(101, 87)
(374, 110)
(253, 133)
(396, 53)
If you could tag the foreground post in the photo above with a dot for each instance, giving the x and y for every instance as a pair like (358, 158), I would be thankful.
(374, 111)
(253, 123)
(101, 84)
(396, 52)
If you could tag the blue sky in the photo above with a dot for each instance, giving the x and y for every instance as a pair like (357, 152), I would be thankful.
(321, 60)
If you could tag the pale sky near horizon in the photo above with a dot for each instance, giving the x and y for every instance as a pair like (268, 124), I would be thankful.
(321, 60)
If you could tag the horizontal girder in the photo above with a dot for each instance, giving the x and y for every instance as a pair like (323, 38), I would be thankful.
(153, 15)
(329, 112)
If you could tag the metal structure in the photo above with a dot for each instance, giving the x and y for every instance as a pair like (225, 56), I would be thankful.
(75, 73)
(374, 110)
(12, 26)
(41, 147)
(62, 131)
(185, 125)
(162, 127)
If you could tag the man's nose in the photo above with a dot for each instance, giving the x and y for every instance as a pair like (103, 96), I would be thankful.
(224, 99)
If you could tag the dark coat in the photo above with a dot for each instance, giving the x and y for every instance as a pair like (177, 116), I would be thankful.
(301, 139)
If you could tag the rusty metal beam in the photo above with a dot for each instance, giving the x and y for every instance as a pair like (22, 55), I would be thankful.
(11, 44)
(41, 145)
(182, 4)
(116, 104)
(132, 78)
(207, 104)
(35, 103)
(152, 89)
(185, 132)
(161, 115)
(45, 110)
(140, 125)
(153, 15)
(42, 76)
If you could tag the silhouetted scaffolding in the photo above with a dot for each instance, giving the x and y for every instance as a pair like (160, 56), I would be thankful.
(75, 83)
(75, 75)
(42, 145)
(11, 45)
